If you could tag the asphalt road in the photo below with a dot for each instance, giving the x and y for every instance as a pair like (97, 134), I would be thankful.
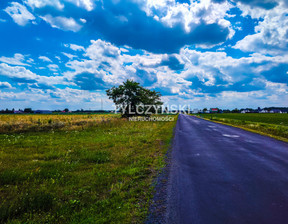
(225, 175)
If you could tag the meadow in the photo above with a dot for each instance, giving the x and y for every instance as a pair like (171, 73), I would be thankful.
(79, 168)
(41, 122)
(274, 125)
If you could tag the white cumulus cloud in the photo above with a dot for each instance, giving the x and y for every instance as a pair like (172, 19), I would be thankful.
(172, 13)
(75, 47)
(19, 14)
(45, 59)
(42, 3)
(53, 67)
(5, 85)
(17, 72)
(62, 23)
(60, 4)
(271, 34)
(86, 4)
(17, 59)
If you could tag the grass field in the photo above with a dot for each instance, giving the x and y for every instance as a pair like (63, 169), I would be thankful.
(275, 125)
(41, 122)
(78, 168)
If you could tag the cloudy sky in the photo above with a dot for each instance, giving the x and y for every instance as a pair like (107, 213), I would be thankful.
(205, 53)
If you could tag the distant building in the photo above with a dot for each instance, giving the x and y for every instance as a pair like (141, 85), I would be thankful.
(43, 112)
(18, 112)
(245, 111)
(264, 111)
(195, 111)
(214, 110)
(275, 111)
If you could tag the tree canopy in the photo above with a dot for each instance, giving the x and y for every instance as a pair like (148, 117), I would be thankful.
(134, 100)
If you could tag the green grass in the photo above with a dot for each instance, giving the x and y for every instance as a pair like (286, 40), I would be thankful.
(99, 174)
(277, 119)
(274, 125)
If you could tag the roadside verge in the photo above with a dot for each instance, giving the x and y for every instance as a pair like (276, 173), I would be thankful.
(278, 132)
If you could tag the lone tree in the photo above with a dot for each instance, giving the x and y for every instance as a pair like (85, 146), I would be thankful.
(134, 100)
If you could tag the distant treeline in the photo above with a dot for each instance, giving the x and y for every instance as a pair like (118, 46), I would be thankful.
(30, 111)
(205, 110)
(249, 110)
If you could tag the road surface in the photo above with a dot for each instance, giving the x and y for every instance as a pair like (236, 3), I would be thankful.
(225, 175)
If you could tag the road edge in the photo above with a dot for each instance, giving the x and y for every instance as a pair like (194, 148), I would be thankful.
(157, 212)
(246, 129)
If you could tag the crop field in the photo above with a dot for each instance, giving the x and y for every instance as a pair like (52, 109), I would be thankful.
(41, 122)
(78, 168)
(275, 125)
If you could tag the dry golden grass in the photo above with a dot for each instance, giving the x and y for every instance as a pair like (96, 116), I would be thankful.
(99, 174)
(41, 122)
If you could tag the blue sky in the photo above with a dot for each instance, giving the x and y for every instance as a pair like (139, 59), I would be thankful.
(205, 53)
